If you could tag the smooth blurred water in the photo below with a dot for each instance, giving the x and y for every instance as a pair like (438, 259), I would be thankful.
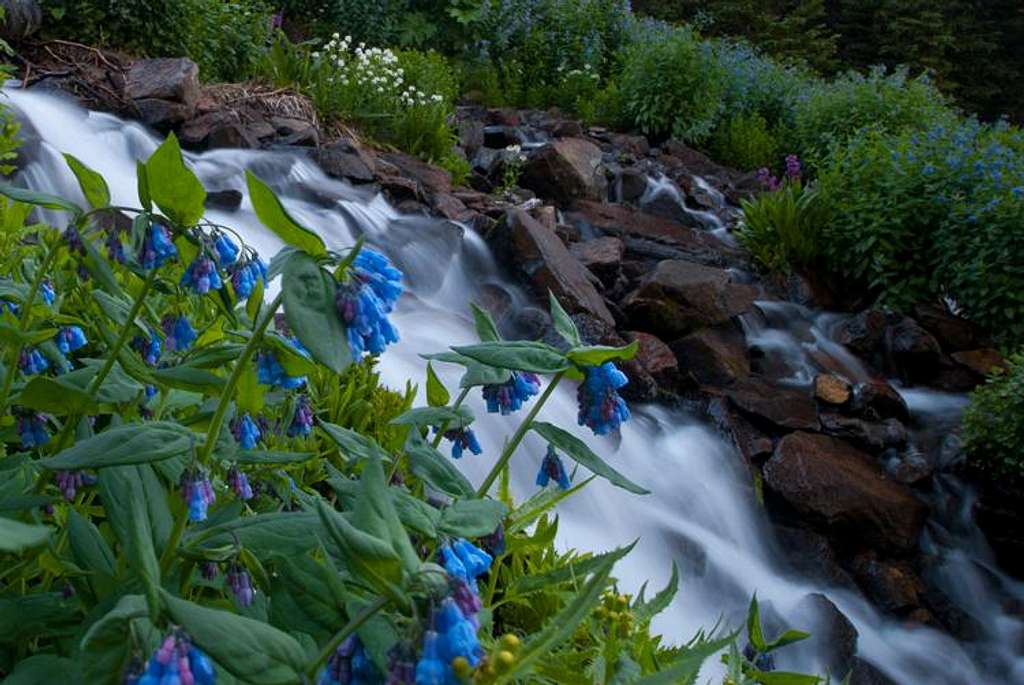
(701, 512)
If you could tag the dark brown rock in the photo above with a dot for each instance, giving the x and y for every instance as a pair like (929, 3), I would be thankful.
(346, 159)
(430, 179)
(877, 400)
(656, 358)
(832, 389)
(812, 556)
(398, 188)
(451, 207)
(603, 256)
(713, 356)
(952, 332)
(863, 333)
(892, 585)
(228, 200)
(980, 362)
(502, 117)
(174, 79)
(630, 144)
(864, 673)
(873, 437)
(630, 185)
(161, 114)
(565, 170)
(680, 296)
(782, 407)
(838, 486)
(219, 129)
(751, 443)
(833, 635)
(914, 352)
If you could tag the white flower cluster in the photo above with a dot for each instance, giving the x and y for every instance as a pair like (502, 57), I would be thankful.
(587, 71)
(375, 69)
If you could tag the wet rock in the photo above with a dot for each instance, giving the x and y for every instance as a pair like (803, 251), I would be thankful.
(567, 129)
(838, 486)
(227, 200)
(630, 144)
(451, 207)
(751, 443)
(500, 137)
(219, 129)
(781, 407)
(656, 358)
(398, 188)
(980, 362)
(873, 437)
(172, 79)
(631, 185)
(161, 114)
(471, 136)
(914, 352)
(22, 18)
(864, 673)
(681, 296)
(502, 117)
(876, 400)
(713, 356)
(345, 159)
(810, 554)
(565, 170)
(863, 333)
(542, 258)
(603, 256)
(892, 585)
(953, 333)
(832, 389)
(429, 179)
(296, 132)
(833, 636)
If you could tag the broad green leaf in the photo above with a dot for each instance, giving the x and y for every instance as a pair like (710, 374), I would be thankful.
(287, 533)
(599, 354)
(685, 669)
(293, 361)
(579, 451)
(10, 335)
(472, 518)
(117, 388)
(540, 503)
(520, 356)
(255, 301)
(43, 669)
(252, 651)
(133, 443)
(107, 647)
(372, 559)
(185, 377)
(437, 394)
(433, 468)
(120, 487)
(647, 610)
(115, 308)
(567, 573)
(37, 616)
(249, 394)
(479, 374)
(142, 176)
(781, 678)
(301, 579)
(94, 188)
(99, 268)
(53, 396)
(374, 513)
(787, 638)
(173, 186)
(262, 457)
(90, 550)
(39, 199)
(274, 216)
(312, 315)
(435, 416)
(141, 554)
(414, 513)
(486, 329)
(17, 537)
(754, 632)
(355, 446)
(563, 323)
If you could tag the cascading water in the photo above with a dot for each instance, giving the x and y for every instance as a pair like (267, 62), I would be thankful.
(700, 513)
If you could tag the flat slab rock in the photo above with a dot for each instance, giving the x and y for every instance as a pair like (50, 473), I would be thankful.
(173, 79)
(839, 486)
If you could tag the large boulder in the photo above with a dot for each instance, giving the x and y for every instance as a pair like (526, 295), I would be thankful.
(173, 79)
(656, 358)
(430, 179)
(22, 18)
(838, 486)
(564, 170)
(915, 354)
(678, 297)
(833, 636)
(603, 256)
(862, 333)
(713, 356)
(871, 436)
(346, 159)
(780, 407)
(892, 585)
(218, 129)
(540, 256)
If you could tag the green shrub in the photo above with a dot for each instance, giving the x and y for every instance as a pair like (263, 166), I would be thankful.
(783, 228)
(9, 140)
(994, 423)
(744, 141)
(231, 40)
(375, 23)
(673, 87)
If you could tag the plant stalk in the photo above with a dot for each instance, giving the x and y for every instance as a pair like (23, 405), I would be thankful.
(352, 626)
(517, 438)
(122, 337)
(444, 427)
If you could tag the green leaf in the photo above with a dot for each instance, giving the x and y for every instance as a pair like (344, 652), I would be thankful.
(255, 301)
(94, 188)
(472, 518)
(433, 468)
(117, 388)
(43, 200)
(685, 669)
(17, 537)
(121, 488)
(375, 513)
(567, 573)
(261, 457)
(754, 631)
(435, 416)
(252, 651)
(185, 377)
(781, 678)
(90, 550)
(133, 443)
(437, 394)
(787, 638)
(173, 186)
(354, 445)
(599, 354)
(486, 329)
(563, 323)
(648, 610)
(142, 176)
(141, 555)
(10, 335)
(99, 268)
(55, 397)
(579, 451)
(287, 533)
(43, 669)
(107, 647)
(519, 355)
(37, 616)
(539, 503)
(312, 315)
(320, 609)
(274, 216)
(371, 558)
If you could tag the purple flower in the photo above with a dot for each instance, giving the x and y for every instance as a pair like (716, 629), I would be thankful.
(793, 169)
(239, 482)
(197, 491)
(767, 180)
(157, 249)
(402, 664)
(302, 419)
(227, 251)
(70, 339)
(178, 332)
(552, 469)
(32, 430)
(115, 248)
(495, 542)
(209, 570)
(150, 350)
(462, 439)
(433, 668)
(364, 303)
(246, 431)
(47, 291)
(512, 394)
(349, 665)
(202, 276)
(600, 406)
(175, 662)
(245, 275)
(74, 240)
(31, 361)
(240, 582)
(68, 482)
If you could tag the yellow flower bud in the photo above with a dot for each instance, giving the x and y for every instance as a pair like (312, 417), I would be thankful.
(461, 666)
(510, 642)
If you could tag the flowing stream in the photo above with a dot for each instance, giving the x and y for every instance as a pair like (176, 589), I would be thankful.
(701, 512)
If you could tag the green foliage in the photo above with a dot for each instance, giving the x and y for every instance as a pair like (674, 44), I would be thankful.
(784, 228)
(994, 423)
(745, 142)
(685, 98)
(9, 140)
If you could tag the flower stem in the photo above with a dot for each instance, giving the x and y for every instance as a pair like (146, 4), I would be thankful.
(236, 374)
(444, 427)
(122, 338)
(172, 543)
(352, 626)
(517, 438)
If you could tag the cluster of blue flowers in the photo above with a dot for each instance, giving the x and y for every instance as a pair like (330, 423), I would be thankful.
(453, 637)
(202, 276)
(302, 419)
(245, 275)
(69, 482)
(176, 662)
(197, 491)
(464, 561)
(179, 333)
(226, 249)
(31, 361)
(552, 469)
(349, 665)
(70, 339)
(32, 430)
(239, 483)
(462, 439)
(600, 406)
(157, 248)
(240, 583)
(115, 248)
(364, 303)
(511, 395)
(270, 372)
(150, 350)
(246, 431)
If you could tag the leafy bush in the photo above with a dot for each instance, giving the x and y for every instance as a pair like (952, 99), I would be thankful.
(673, 87)
(757, 84)
(231, 40)
(994, 423)
(783, 228)
(745, 142)
(373, 23)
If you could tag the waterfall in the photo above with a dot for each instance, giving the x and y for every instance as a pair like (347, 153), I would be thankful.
(701, 513)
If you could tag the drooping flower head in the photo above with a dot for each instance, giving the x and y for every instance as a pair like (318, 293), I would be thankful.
(402, 664)
(433, 668)
(600, 406)
(366, 300)
(197, 491)
(350, 665)
(767, 180)
(209, 570)
(246, 431)
(31, 361)
(793, 169)
(32, 430)
(239, 483)
(48, 293)
(240, 583)
(495, 542)
(202, 276)
(270, 372)
(179, 333)
(149, 350)
(69, 482)
(157, 248)
(511, 395)
(73, 239)
(176, 662)
(226, 249)
(245, 275)
(462, 439)
(458, 634)
(70, 339)
(115, 248)
(552, 469)
(302, 419)
(464, 561)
